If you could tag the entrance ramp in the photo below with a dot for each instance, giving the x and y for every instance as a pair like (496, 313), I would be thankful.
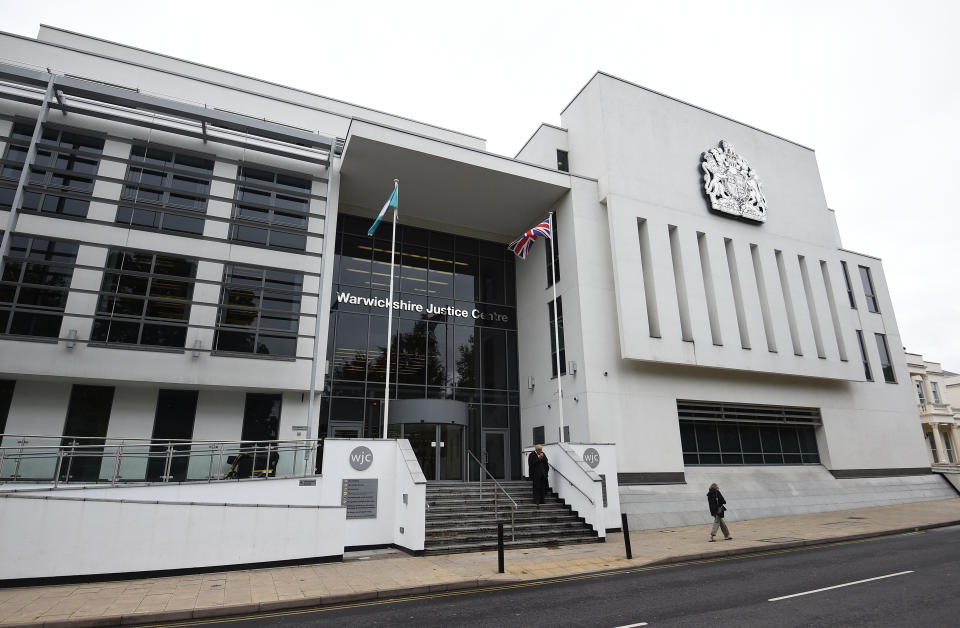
(770, 491)
(463, 517)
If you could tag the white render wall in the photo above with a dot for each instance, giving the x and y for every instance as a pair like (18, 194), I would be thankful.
(631, 249)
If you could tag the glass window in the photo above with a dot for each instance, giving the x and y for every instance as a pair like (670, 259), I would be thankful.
(868, 290)
(563, 161)
(173, 421)
(885, 364)
(144, 299)
(863, 354)
(557, 316)
(935, 392)
(35, 284)
(947, 446)
(261, 417)
(259, 311)
(271, 209)
(88, 414)
(6, 397)
(442, 352)
(552, 254)
(932, 444)
(160, 195)
(731, 433)
(846, 280)
(920, 396)
(63, 171)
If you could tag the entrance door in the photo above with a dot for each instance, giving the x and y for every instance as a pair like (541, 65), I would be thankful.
(439, 449)
(495, 454)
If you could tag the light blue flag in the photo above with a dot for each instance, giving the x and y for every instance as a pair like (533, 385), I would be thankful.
(391, 202)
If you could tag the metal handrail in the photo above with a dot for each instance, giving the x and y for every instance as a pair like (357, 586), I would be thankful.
(496, 505)
(109, 455)
(570, 482)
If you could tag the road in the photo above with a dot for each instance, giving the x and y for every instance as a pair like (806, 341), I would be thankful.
(908, 580)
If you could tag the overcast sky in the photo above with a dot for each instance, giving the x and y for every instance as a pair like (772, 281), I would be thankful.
(872, 86)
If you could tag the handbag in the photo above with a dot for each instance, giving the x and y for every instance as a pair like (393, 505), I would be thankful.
(722, 509)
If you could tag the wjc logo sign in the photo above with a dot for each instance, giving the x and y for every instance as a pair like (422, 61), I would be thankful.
(361, 458)
(592, 457)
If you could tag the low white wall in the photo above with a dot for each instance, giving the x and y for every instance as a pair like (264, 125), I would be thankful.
(49, 536)
(607, 467)
(586, 484)
(395, 466)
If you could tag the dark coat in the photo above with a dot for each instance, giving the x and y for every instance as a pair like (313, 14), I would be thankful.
(715, 499)
(539, 473)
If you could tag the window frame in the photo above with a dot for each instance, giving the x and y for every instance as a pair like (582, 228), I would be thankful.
(130, 205)
(261, 291)
(846, 279)
(269, 224)
(24, 264)
(886, 360)
(869, 290)
(867, 371)
(554, 350)
(552, 253)
(143, 320)
(49, 147)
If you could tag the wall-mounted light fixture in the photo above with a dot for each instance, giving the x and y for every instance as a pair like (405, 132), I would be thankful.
(572, 367)
(71, 339)
(197, 345)
(531, 382)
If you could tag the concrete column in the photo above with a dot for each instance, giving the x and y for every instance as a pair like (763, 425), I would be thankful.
(941, 453)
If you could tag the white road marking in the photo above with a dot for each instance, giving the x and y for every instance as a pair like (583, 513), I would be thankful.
(837, 586)
(643, 623)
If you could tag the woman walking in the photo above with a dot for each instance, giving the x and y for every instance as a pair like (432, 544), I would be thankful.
(717, 508)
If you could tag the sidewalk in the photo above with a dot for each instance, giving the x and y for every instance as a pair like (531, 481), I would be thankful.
(381, 575)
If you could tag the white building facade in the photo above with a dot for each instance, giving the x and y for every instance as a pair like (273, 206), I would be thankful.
(187, 263)
(938, 417)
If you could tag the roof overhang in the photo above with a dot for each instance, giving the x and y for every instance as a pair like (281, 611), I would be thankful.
(443, 185)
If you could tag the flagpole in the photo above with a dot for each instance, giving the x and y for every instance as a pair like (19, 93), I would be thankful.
(393, 247)
(556, 321)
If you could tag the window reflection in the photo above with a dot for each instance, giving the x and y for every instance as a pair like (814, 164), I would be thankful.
(436, 353)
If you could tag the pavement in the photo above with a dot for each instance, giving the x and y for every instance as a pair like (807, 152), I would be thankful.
(376, 575)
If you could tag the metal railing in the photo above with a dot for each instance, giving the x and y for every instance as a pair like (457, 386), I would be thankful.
(496, 501)
(570, 482)
(75, 459)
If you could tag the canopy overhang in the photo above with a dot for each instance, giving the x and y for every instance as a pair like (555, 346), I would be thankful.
(445, 186)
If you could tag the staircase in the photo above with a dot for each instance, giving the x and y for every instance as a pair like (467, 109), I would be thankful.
(458, 520)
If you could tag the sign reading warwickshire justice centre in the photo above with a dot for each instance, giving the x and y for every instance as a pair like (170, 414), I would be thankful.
(431, 308)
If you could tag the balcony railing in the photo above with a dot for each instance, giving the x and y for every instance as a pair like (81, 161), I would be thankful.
(74, 459)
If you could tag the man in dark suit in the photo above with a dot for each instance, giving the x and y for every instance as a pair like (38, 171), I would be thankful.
(539, 473)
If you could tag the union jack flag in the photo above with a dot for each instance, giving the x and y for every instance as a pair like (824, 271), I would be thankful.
(521, 246)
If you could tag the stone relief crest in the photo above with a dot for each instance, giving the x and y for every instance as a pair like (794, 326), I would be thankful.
(731, 184)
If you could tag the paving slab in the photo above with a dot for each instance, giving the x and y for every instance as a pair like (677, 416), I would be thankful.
(386, 574)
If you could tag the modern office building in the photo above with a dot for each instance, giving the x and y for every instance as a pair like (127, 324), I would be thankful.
(187, 258)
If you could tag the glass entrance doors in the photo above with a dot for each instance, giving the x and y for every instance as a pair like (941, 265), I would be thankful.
(439, 449)
(495, 454)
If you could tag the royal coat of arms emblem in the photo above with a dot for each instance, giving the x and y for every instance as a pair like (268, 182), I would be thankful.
(731, 184)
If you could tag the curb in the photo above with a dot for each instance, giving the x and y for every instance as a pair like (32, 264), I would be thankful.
(743, 551)
(458, 585)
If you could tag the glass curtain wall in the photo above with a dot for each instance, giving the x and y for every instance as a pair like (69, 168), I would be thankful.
(454, 333)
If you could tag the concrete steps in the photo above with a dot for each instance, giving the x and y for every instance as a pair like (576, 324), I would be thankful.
(462, 517)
